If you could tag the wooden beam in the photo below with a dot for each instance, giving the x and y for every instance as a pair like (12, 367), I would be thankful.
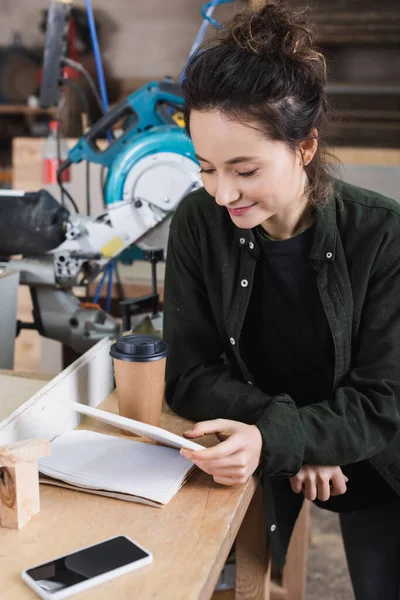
(253, 562)
(295, 571)
(19, 481)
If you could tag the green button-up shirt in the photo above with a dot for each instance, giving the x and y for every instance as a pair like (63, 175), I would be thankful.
(209, 277)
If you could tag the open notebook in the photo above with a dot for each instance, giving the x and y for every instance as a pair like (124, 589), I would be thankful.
(118, 467)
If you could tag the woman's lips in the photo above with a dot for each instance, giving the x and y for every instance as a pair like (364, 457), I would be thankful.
(237, 212)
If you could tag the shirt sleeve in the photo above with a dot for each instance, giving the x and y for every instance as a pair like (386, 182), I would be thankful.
(362, 416)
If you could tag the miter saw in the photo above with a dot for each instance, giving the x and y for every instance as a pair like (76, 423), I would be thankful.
(155, 169)
(151, 167)
(152, 158)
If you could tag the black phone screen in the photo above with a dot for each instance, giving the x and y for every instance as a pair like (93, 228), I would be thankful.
(85, 564)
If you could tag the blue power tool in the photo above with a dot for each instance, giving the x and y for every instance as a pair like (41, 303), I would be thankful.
(152, 160)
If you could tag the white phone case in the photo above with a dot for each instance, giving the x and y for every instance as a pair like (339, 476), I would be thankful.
(85, 585)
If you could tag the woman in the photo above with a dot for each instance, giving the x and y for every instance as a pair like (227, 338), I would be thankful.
(282, 299)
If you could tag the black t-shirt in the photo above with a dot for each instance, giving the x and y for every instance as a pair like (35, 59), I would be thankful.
(288, 348)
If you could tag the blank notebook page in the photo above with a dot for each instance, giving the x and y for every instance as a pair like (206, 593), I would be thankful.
(98, 461)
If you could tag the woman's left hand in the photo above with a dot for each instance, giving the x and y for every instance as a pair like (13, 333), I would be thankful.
(319, 481)
(232, 461)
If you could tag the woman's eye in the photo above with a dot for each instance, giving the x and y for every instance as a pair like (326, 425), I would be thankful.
(247, 173)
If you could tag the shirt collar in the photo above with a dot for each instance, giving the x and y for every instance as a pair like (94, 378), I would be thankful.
(324, 246)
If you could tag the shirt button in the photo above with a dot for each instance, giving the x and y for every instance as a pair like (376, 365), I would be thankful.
(329, 255)
(272, 528)
(249, 383)
(232, 341)
(251, 245)
(244, 283)
(242, 241)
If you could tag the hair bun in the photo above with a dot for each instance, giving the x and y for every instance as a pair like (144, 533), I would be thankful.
(266, 28)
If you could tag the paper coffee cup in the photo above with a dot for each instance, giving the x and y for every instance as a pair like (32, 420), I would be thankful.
(139, 366)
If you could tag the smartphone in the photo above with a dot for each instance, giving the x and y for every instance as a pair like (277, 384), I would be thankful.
(67, 575)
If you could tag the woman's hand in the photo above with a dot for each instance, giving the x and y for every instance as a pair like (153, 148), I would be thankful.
(232, 461)
(316, 481)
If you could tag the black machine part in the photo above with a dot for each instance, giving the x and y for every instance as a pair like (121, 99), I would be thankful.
(59, 315)
(131, 307)
(56, 46)
(82, 31)
(31, 223)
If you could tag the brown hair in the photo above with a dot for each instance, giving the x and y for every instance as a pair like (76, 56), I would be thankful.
(264, 68)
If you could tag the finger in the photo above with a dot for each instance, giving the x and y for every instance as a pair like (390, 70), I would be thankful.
(230, 446)
(207, 427)
(227, 481)
(323, 490)
(235, 460)
(214, 469)
(296, 483)
(310, 489)
(338, 484)
(230, 472)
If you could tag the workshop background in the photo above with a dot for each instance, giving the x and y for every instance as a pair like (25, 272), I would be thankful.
(142, 41)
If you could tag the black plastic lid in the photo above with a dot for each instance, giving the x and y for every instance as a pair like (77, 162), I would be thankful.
(139, 348)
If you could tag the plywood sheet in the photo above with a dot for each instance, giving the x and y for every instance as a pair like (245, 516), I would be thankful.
(14, 391)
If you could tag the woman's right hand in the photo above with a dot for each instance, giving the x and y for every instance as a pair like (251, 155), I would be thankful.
(318, 481)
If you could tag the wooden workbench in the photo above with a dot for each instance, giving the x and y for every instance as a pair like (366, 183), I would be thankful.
(190, 538)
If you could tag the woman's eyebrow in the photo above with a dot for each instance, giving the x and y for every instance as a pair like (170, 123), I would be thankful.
(231, 161)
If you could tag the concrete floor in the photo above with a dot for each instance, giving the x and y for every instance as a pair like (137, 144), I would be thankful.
(327, 574)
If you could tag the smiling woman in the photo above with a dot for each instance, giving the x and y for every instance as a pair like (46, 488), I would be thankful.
(265, 72)
(256, 110)
(281, 298)
(259, 180)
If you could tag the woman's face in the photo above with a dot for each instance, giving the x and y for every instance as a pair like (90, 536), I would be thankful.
(254, 178)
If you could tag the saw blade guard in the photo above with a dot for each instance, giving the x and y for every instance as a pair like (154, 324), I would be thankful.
(156, 172)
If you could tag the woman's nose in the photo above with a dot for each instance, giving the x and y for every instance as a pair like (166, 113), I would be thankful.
(226, 193)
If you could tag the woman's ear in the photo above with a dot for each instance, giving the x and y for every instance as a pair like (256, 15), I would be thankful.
(308, 148)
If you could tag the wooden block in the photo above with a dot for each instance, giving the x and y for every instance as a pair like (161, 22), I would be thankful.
(19, 494)
(19, 481)
(25, 451)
